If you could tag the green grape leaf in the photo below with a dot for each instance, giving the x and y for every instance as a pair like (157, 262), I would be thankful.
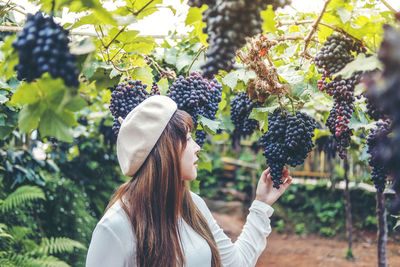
(29, 117)
(344, 14)
(142, 45)
(232, 78)
(144, 74)
(163, 86)
(83, 47)
(76, 103)
(101, 78)
(27, 93)
(210, 126)
(261, 115)
(52, 124)
(359, 120)
(3, 99)
(361, 63)
(183, 60)
(9, 59)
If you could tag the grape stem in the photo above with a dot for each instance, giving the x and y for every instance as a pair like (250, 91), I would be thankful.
(313, 30)
(281, 105)
(168, 73)
(202, 49)
(291, 101)
(53, 6)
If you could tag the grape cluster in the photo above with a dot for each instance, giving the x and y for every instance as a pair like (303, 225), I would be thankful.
(201, 137)
(126, 96)
(385, 93)
(379, 169)
(241, 107)
(229, 22)
(197, 96)
(288, 140)
(43, 47)
(199, 3)
(373, 111)
(342, 91)
(336, 53)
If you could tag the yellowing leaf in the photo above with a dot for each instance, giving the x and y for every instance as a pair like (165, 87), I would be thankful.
(144, 74)
(269, 20)
(163, 86)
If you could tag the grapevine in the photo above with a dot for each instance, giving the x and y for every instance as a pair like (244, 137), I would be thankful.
(383, 91)
(379, 169)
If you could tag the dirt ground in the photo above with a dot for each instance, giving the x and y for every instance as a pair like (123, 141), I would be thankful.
(285, 250)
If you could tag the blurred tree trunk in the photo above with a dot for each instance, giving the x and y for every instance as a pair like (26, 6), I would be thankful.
(349, 253)
(382, 228)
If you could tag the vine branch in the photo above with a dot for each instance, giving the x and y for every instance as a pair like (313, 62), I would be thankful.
(313, 30)
(388, 6)
(122, 70)
(300, 22)
(140, 10)
(202, 49)
(115, 37)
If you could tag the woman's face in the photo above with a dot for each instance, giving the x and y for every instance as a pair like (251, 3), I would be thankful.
(189, 159)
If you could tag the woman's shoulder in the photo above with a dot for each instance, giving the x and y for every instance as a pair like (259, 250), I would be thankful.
(116, 220)
(199, 201)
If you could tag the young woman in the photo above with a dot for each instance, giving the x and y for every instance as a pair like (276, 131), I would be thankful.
(154, 219)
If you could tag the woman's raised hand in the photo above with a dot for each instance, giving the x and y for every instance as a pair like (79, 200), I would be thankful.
(266, 192)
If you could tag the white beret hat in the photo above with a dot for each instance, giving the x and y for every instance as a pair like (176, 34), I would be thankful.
(140, 131)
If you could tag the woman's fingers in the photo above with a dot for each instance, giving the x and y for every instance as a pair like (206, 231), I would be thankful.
(287, 181)
(285, 173)
(265, 175)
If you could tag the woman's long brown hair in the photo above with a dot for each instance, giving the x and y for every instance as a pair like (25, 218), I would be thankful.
(157, 196)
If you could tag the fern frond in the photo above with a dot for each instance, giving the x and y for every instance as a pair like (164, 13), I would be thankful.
(22, 195)
(19, 232)
(3, 233)
(51, 261)
(20, 260)
(59, 245)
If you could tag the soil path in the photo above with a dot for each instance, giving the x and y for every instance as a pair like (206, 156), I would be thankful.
(297, 251)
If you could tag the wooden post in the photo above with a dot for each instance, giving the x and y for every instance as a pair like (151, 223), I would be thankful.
(322, 162)
(382, 228)
(349, 253)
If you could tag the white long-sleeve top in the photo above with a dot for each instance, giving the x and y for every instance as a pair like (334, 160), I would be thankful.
(113, 243)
